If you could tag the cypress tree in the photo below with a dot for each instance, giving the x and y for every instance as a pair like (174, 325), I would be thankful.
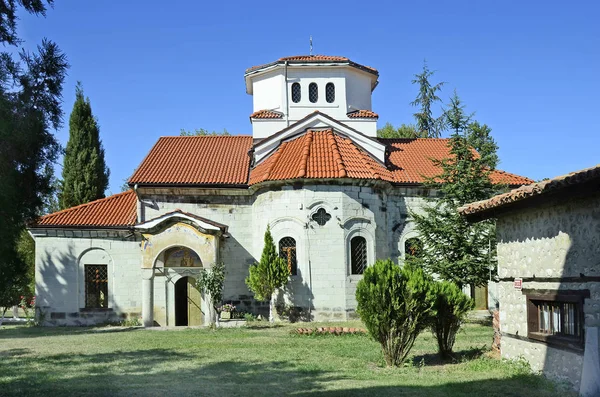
(85, 174)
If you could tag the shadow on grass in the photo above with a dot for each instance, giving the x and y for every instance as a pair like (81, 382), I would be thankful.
(24, 331)
(457, 357)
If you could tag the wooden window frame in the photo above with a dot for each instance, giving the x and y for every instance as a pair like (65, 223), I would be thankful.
(577, 297)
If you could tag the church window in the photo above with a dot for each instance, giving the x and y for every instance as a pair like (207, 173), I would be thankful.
(296, 92)
(358, 255)
(330, 92)
(96, 286)
(287, 251)
(313, 92)
(413, 247)
(321, 217)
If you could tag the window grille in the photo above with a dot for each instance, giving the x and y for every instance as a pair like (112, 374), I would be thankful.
(287, 251)
(330, 92)
(358, 255)
(556, 319)
(413, 247)
(296, 92)
(96, 286)
(321, 217)
(313, 92)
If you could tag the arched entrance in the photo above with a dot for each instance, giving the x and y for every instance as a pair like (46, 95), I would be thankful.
(187, 302)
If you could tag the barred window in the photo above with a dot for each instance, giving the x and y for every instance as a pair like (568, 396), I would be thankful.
(413, 247)
(555, 317)
(330, 92)
(313, 92)
(358, 255)
(296, 92)
(321, 217)
(96, 286)
(287, 251)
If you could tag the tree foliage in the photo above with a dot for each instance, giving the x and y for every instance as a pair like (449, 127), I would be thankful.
(203, 132)
(450, 308)
(427, 125)
(454, 249)
(404, 131)
(85, 174)
(270, 274)
(30, 98)
(210, 282)
(395, 304)
(480, 138)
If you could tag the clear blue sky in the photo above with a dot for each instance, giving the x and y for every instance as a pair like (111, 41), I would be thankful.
(529, 69)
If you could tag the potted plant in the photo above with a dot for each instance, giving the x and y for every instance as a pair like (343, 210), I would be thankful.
(226, 311)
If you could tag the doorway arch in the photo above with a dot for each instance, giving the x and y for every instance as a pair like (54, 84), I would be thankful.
(188, 303)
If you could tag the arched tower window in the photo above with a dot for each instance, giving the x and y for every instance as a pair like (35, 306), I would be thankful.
(313, 92)
(413, 247)
(358, 255)
(330, 92)
(296, 92)
(287, 251)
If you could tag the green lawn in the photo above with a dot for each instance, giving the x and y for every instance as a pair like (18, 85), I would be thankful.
(247, 362)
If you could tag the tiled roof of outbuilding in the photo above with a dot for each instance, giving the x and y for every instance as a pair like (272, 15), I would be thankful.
(119, 210)
(318, 155)
(535, 189)
(196, 160)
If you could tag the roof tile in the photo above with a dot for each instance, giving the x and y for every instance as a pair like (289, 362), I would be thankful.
(266, 114)
(196, 160)
(363, 114)
(119, 210)
(313, 59)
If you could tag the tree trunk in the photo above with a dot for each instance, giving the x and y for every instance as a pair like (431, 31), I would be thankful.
(271, 303)
(3, 314)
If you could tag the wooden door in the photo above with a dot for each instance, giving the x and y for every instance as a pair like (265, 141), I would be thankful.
(194, 303)
(481, 298)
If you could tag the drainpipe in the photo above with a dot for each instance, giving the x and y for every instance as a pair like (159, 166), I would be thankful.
(142, 216)
(287, 100)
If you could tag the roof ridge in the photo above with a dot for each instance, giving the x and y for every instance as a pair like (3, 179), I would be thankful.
(308, 137)
(111, 197)
(337, 156)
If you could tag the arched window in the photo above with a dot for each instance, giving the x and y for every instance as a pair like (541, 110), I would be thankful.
(296, 92)
(287, 251)
(358, 255)
(330, 92)
(313, 92)
(413, 247)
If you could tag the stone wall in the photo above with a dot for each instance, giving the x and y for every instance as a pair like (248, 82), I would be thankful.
(551, 246)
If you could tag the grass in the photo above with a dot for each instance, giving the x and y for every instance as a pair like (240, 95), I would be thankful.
(255, 361)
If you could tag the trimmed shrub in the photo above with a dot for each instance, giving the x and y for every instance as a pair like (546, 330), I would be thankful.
(395, 304)
(451, 306)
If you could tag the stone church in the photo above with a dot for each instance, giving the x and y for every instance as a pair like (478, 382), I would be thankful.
(335, 196)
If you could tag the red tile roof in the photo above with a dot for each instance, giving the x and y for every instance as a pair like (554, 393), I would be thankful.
(363, 114)
(314, 59)
(119, 210)
(550, 186)
(318, 154)
(266, 114)
(410, 161)
(196, 160)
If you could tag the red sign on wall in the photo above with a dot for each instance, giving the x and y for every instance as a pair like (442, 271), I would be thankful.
(518, 283)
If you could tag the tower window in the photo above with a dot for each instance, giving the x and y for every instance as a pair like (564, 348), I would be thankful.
(313, 92)
(330, 92)
(287, 251)
(358, 255)
(296, 92)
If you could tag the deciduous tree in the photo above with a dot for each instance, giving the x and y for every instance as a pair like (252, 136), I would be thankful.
(404, 131)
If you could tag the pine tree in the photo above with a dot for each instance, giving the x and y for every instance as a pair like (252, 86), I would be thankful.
(85, 174)
(427, 125)
(454, 249)
(270, 274)
(30, 97)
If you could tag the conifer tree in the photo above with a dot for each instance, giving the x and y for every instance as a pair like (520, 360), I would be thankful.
(270, 274)
(85, 174)
(480, 138)
(454, 249)
(427, 125)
